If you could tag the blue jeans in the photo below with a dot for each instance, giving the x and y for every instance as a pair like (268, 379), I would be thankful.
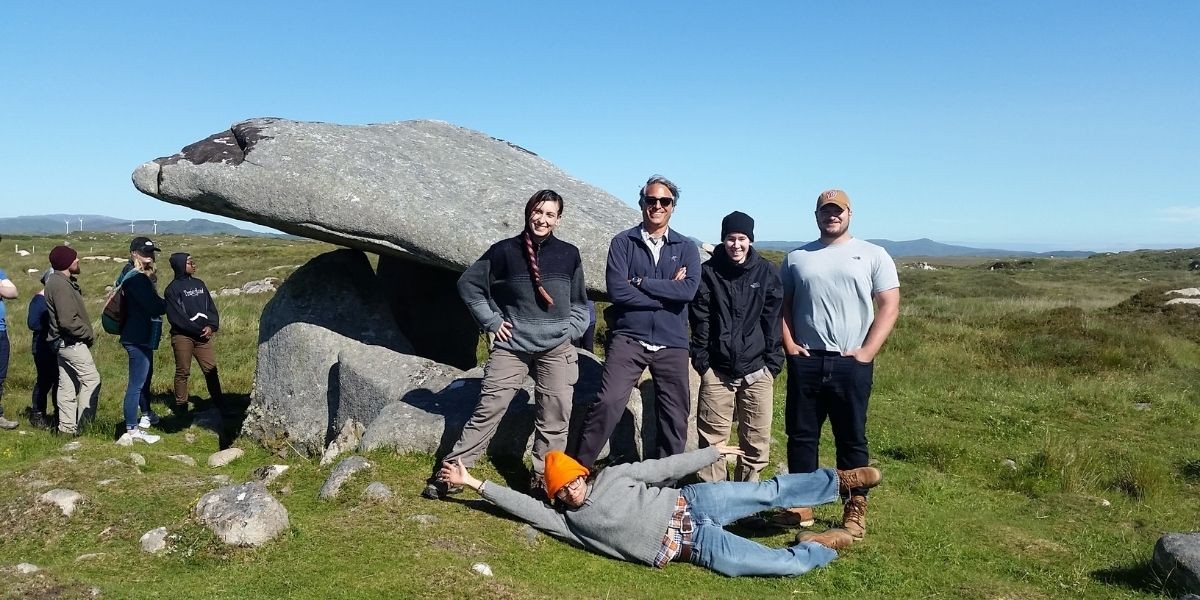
(714, 505)
(137, 391)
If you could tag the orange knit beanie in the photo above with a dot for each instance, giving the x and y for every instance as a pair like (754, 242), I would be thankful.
(561, 470)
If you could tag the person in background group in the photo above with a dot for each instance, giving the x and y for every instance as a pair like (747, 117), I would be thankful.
(529, 291)
(71, 335)
(841, 300)
(8, 291)
(736, 348)
(45, 360)
(621, 514)
(194, 321)
(140, 335)
(652, 275)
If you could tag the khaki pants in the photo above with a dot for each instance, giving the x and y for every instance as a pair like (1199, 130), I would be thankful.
(718, 406)
(78, 387)
(185, 348)
(555, 372)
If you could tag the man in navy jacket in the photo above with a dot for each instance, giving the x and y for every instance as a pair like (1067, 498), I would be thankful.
(653, 273)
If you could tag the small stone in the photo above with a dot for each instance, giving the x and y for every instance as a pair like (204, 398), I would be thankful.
(269, 473)
(72, 446)
(64, 499)
(377, 491)
(189, 437)
(224, 457)
(183, 458)
(27, 568)
(155, 540)
(341, 473)
(112, 462)
(90, 556)
(125, 441)
(482, 569)
(528, 534)
(285, 490)
(423, 519)
(104, 482)
(1105, 503)
(1141, 406)
(243, 515)
(137, 459)
(1009, 463)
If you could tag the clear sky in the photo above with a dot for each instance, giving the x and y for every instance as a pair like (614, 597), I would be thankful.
(1054, 124)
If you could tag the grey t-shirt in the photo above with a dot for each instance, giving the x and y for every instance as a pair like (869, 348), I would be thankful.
(831, 288)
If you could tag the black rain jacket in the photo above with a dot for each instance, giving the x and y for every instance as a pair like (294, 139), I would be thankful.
(735, 316)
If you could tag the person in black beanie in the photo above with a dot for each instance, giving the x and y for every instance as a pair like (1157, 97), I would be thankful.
(735, 347)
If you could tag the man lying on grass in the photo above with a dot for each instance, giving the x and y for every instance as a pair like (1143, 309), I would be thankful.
(619, 514)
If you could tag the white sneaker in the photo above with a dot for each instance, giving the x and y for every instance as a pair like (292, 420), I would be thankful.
(142, 436)
(148, 419)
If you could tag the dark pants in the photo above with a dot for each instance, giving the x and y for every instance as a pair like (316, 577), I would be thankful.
(45, 360)
(623, 366)
(185, 348)
(3, 366)
(827, 385)
(137, 391)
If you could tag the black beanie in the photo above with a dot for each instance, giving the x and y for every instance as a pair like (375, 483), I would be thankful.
(737, 222)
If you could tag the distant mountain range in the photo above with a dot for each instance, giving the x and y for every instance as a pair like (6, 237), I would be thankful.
(50, 224)
(930, 248)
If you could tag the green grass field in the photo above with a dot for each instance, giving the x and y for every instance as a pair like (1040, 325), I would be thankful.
(1068, 368)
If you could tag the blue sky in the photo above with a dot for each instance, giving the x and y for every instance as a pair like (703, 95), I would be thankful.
(1054, 125)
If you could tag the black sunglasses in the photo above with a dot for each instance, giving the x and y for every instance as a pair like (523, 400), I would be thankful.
(663, 202)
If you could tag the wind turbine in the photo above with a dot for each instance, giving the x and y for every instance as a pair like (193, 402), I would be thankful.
(131, 227)
(81, 225)
(68, 222)
(156, 228)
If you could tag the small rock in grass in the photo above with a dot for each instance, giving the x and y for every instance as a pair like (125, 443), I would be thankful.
(1009, 463)
(1141, 406)
(269, 473)
(189, 437)
(528, 534)
(27, 568)
(154, 541)
(104, 482)
(95, 592)
(72, 446)
(243, 515)
(90, 556)
(482, 569)
(183, 458)
(424, 519)
(224, 457)
(112, 462)
(341, 473)
(137, 459)
(62, 498)
(1105, 503)
(125, 441)
(377, 491)
(221, 479)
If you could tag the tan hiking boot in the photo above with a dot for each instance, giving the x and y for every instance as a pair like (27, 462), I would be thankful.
(854, 516)
(801, 516)
(862, 477)
(835, 539)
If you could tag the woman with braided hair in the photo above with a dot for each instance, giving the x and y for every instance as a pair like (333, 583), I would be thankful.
(528, 291)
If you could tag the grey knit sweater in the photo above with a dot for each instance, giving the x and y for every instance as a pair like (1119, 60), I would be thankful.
(622, 517)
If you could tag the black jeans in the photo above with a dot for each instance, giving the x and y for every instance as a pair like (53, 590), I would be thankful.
(623, 366)
(821, 386)
(45, 360)
(3, 366)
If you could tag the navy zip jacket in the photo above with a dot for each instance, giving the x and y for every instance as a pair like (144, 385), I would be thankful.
(656, 311)
(735, 316)
(38, 320)
(190, 306)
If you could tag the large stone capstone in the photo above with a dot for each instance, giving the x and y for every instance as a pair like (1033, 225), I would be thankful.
(420, 190)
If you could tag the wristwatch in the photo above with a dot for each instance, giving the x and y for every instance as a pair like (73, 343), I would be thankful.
(635, 281)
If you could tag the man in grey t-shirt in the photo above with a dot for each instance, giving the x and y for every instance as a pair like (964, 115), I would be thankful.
(841, 297)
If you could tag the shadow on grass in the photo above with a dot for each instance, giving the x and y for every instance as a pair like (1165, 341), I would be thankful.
(1141, 577)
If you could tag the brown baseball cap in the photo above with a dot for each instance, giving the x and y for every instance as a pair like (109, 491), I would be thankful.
(837, 197)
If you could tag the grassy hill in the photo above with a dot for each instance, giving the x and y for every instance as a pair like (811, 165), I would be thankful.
(1070, 369)
(54, 224)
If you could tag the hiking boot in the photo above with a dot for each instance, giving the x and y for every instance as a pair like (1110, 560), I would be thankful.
(800, 516)
(39, 420)
(860, 478)
(6, 424)
(854, 516)
(438, 490)
(834, 539)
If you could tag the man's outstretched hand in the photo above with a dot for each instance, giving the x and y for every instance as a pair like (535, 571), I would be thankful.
(454, 473)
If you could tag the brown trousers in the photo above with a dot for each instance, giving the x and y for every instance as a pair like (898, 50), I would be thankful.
(719, 405)
(185, 348)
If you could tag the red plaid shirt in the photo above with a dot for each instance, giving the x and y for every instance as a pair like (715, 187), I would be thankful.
(673, 538)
